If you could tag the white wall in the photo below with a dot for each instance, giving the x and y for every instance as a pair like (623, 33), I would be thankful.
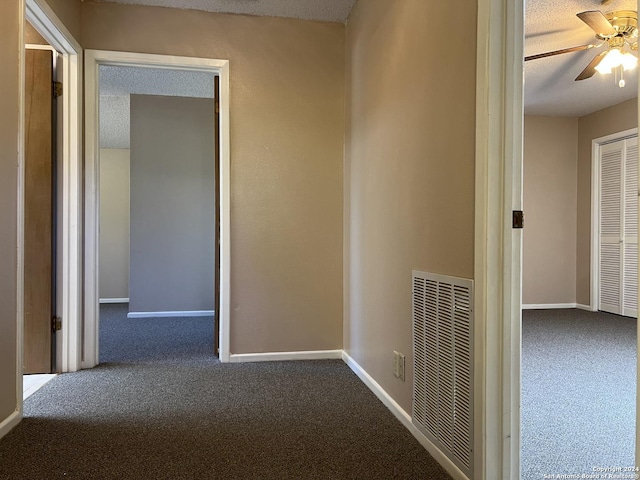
(114, 223)
(172, 204)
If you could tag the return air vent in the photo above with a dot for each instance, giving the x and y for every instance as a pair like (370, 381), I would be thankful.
(443, 364)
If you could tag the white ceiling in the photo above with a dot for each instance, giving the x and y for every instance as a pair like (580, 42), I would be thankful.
(550, 86)
(118, 83)
(321, 10)
(155, 81)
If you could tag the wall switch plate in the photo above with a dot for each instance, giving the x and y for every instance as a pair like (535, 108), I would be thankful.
(398, 365)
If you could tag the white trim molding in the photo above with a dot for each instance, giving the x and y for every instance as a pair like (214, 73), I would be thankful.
(114, 300)
(547, 306)
(498, 247)
(34, 46)
(15, 418)
(177, 313)
(11, 421)
(403, 417)
(93, 60)
(581, 306)
(286, 356)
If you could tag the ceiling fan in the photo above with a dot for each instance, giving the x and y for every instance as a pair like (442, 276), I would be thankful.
(618, 31)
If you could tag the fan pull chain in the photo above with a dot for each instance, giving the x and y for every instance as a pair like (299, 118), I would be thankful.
(619, 71)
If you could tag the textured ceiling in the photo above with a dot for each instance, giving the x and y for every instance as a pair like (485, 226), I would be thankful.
(321, 10)
(118, 83)
(549, 86)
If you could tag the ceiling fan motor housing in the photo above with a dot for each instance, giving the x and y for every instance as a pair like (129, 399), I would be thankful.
(624, 22)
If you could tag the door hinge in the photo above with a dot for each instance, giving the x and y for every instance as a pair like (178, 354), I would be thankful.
(57, 89)
(518, 219)
(56, 324)
(217, 106)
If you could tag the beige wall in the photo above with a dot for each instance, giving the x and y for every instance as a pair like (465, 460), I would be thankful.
(69, 12)
(550, 202)
(617, 118)
(9, 120)
(114, 223)
(287, 137)
(32, 36)
(409, 167)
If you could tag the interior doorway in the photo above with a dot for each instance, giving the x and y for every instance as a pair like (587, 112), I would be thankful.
(158, 213)
(69, 225)
(171, 66)
(59, 292)
(40, 186)
(559, 281)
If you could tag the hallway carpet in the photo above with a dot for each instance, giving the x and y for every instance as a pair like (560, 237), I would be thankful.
(182, 415)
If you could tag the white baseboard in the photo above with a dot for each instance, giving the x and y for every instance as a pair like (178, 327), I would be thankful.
(580, 306)
(186, 313)
(11, 421)
(114, 300)
(282, 356)
(404, 418)
(543, 306)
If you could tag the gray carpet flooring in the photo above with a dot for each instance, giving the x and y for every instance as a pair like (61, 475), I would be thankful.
(153, 340)
(161, 406)
(578, 392)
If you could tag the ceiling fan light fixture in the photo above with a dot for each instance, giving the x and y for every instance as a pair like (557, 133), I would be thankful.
(615, 58)
(629, 61)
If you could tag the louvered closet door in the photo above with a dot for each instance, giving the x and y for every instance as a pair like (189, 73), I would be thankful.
(619, 227)
(630, 238)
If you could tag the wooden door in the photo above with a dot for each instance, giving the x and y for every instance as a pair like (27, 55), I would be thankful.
(38, 213)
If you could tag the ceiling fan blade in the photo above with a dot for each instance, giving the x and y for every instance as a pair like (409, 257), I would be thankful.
(590, 69)
(558, 52)
(597, 21)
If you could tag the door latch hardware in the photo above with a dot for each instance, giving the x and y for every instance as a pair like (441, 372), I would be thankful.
(518, 219)
(56, 324)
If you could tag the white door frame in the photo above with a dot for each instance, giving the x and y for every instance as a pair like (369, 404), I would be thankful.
(93, 60)
(498, 247)
(43, 19)
(596, 144)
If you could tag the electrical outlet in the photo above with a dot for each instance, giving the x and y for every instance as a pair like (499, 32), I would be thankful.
(398, 365)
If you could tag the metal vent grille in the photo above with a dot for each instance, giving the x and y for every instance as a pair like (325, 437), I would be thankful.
(443, 364)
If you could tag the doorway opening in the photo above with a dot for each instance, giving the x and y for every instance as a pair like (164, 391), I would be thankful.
(572, 352)
(42, 63)
(158, 213)
(47, 344)
(145, 248)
